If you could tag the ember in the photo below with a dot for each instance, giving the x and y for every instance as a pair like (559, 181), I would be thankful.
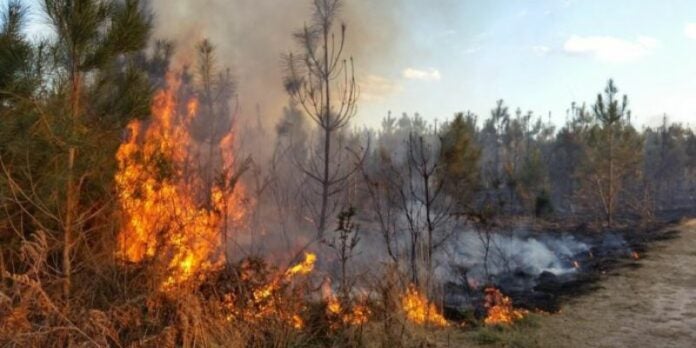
(500, 309)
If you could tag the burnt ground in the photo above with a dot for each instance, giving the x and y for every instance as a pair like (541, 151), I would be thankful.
(646, 303)
(651, 306)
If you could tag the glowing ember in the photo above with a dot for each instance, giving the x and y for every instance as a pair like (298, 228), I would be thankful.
(500, 309)
(297, 322)
(635, 255)
(419, 310)
(333, 306)
(160, 190)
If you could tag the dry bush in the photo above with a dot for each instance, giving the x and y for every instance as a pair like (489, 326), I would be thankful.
(114, 304)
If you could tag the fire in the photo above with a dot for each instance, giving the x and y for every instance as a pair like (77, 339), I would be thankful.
(357, 315)
(500, 309)
(419, 310)
(267, 302)
(161, 194)
(304, 267)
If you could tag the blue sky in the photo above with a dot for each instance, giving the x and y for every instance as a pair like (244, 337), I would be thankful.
(539, 55)
(542, 55)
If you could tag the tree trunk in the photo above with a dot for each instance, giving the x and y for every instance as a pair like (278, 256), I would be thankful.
(68, 228)
(414, 257)
(70, 204)
(326, 182)
(610, 198)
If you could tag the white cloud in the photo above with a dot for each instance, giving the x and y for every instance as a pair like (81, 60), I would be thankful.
(376, 88)
(541, 50)
(690, 30)
(429, 74)
(610, 49)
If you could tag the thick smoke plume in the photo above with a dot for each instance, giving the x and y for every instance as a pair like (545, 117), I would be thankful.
(251, 36)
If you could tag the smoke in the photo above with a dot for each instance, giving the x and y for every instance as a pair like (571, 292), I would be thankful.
(510, 253)
(251, 36)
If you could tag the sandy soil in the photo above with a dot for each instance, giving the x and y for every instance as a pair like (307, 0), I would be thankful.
(651, 306)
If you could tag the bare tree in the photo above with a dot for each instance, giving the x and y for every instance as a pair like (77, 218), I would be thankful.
(216, 93)
(381, 197)
(411, 198)
(323, 83)
(344, 243)
(427, 192)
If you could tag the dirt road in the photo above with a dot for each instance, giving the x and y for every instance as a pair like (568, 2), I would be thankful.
(652, 306)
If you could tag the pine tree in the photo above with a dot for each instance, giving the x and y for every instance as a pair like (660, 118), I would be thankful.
(460, 156)
(614, 154)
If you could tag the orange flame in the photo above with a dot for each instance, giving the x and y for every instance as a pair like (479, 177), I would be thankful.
(265, 301)
(358, 314)
(159, 193)
(500, 309)
(304, 267)
(419, 310)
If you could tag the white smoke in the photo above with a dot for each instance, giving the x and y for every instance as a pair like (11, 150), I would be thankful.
(507, 254)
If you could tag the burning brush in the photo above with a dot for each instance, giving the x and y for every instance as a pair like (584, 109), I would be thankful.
(500, 309)
(171, 213)
(419, 310)
(355, 315)
(267, 300)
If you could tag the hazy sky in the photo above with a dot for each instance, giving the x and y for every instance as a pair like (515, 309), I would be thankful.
(537, 55)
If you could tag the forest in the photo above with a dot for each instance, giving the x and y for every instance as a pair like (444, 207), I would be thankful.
(142, 206)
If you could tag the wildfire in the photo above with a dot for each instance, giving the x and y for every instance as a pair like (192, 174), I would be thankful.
(304, 267)
(500, 309)
(419, 310)
(357, 315)
(266, 302)
(167, 213)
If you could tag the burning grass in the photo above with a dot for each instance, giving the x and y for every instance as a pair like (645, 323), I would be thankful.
(340, 315)
(419, 310)
(267, 299)
(500, 309)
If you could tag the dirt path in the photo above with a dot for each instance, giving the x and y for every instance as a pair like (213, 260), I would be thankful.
(652, 306)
